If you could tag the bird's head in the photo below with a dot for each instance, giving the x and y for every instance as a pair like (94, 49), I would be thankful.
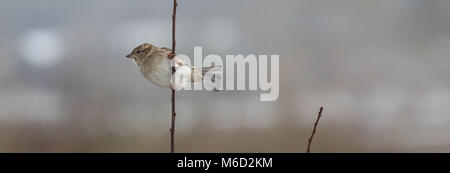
(141, 51)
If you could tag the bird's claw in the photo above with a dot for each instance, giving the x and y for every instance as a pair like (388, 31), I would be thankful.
(171, 55)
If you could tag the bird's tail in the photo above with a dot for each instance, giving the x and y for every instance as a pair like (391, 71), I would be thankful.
(214, 73)
(212, 69)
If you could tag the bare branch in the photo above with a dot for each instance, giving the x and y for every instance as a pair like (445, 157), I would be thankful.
(314, 129)
(172, 129)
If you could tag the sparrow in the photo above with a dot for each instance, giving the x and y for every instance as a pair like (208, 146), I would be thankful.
(155, 64)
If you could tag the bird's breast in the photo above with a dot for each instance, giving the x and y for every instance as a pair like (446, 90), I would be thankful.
(157, 72)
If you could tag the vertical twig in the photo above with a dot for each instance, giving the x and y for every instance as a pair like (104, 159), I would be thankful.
(314, 129)
(172, 129)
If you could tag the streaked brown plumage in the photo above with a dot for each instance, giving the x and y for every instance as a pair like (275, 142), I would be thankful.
(155, 65)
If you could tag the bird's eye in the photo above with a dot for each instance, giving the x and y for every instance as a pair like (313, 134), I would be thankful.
(138, 51)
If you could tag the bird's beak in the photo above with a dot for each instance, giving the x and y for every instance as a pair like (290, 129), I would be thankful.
(129, 56)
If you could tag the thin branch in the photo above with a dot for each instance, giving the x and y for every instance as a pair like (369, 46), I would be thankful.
(314, 130)
(172, 129)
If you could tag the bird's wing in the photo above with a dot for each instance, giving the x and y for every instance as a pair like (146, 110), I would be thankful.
(167, 49)
(186, 69)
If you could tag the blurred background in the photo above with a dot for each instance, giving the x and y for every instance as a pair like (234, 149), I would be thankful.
(379, 68)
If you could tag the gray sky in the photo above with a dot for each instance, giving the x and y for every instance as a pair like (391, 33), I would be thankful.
(380, 69)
